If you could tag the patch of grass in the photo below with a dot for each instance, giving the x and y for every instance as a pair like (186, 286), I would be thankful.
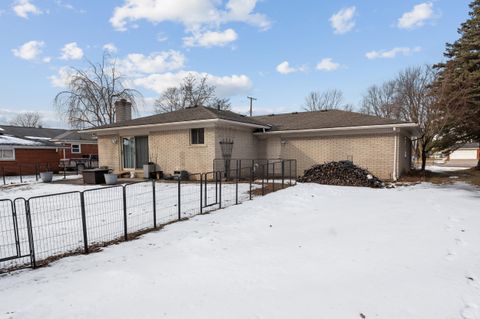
(470, 176)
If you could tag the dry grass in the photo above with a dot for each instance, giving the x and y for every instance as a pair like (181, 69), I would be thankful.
(470, 176)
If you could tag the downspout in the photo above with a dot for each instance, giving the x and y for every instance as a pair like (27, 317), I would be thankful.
(395, 155)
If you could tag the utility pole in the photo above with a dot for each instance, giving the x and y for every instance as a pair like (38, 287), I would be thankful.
(251, 103)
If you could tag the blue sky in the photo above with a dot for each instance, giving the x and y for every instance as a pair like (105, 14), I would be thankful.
(275, 50)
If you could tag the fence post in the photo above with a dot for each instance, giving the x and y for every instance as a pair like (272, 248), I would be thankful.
(283, 174)
(263, 180)
(273, 177)
(179, 200)
(220, 189)
(64, 171)
(236, 183)
(30, 234)
(84, 223)
(201, 194)
(36, 172)
(125, 228)
(3, 176)
(290, 171)
(251, 181)
(20, 170)
(154, 198)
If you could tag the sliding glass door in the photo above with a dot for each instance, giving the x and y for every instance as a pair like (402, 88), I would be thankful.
(135, 151)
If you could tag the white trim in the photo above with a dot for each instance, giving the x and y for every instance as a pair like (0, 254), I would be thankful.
(182, 123)
(346, 128)
(13, 158)
(79, 148)
(395, 157)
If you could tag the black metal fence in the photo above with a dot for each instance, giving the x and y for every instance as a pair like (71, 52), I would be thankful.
(41, 229)
(30, 172)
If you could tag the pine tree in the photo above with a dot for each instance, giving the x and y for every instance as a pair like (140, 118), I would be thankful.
(458, 83)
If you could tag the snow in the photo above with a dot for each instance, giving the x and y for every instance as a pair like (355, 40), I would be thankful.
(31, 179)
(440, 169)
(309, 251)
(12, 140)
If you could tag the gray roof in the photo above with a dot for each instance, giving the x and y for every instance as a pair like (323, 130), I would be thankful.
(75, 136)
(320, 120)
(276, 122)
(38, 136)
(184, 115)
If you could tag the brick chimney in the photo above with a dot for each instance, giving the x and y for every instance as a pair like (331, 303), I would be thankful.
(123, 111)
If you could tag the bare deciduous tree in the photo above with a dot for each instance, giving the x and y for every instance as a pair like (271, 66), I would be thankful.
(327, 100)
(192, 91)
(27, 119)
(409, 97)
(381, 100)
(91, 94)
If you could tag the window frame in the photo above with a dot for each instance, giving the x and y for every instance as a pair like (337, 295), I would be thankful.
(79, 148)
(195, 138)
(8, 158)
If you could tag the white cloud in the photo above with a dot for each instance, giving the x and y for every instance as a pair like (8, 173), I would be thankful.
(110, 48)
(286, 68)
(71, 51)
(389, 54)
(327, 64)
(23, 8)
(29, 50)
(49, 118)
(62, 78)
(226, 86)
(417, 17)
(343, 21)
(158, 62)
(210, 38)
(195, 15)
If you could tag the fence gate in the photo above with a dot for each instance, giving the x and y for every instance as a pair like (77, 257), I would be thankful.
(211, 187)
(13, 230)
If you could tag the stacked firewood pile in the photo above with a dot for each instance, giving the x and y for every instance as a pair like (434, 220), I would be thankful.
(343, 173)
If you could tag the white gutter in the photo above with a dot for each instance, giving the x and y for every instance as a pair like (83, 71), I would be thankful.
(162, 125)
(395, 157)
(346, 128)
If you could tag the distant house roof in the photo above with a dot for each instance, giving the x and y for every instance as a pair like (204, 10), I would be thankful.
(38, 136)
(321, 120)
(470, 146)
(75, 136)
(184, 115)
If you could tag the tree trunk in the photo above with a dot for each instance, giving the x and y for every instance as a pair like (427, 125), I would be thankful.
(478, 155)
(424, 159)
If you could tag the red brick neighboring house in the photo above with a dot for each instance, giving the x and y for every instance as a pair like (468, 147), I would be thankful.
(26, 150)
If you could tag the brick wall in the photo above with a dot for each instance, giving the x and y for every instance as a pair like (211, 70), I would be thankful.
(108, 152)
(373, 152)
(171, 151)
(26, 160)
(86, 150)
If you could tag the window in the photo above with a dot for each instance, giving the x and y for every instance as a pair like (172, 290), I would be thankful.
(7, 154)
(75, 149)
(135, 151)
(198, 136)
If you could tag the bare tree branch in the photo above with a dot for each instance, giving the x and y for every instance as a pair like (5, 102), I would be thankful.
(27, 119)
(193, 91)
(91, 94)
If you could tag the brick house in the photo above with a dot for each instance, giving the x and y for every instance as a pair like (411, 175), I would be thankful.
(28, 149)
(189, 139)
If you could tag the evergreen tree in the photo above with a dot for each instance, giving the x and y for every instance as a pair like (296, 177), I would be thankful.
(457, 87)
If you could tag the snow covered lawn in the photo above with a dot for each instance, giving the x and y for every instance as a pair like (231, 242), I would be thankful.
(309, 251)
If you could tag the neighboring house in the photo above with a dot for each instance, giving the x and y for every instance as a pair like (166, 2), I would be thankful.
(189, 139)
(468, 153)
(26, 149)
(77, 145)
